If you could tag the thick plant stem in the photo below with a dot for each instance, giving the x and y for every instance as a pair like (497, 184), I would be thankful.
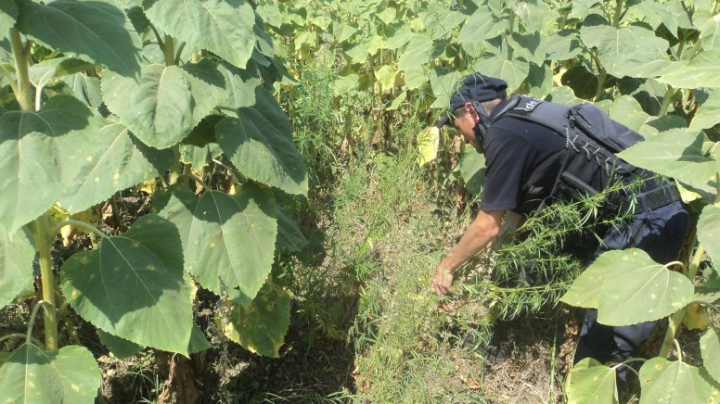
(669, 95)
(42, 245)
(676, 319)
(169, 50)
(619, 4)
(22, 94)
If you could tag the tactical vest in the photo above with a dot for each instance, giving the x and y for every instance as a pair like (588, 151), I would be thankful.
(586, 165)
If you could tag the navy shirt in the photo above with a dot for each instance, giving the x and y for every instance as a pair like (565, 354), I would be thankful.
(514, 148)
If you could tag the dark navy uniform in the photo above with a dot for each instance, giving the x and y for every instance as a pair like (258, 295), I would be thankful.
(523, 163)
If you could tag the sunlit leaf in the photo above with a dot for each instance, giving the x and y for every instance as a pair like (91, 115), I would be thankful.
(472, 169)
(417, 53)
(32, 375)
(261, 326)
(119, 161)
(629, 51)
(224, 27)
(261, 152)
(680, 154)
(701, 71)
(49, 145)
(133, 286)
(85, 89)
(663, 381)
(710, 351)
(8, 16)
(239, 86)
(708, 113)
(696, 317)
(591, 382)
(158, 109)
(16, 258)
(513, 71)
(94, 30)
(428, 142)
(709, 31)
(708, 232)
(386, 76)
(483, 24)
(229, 240)
(563, 45)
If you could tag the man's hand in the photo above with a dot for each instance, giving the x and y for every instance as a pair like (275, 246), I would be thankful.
(442, 283)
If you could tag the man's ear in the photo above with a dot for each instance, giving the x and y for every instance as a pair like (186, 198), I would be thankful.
(470, 109)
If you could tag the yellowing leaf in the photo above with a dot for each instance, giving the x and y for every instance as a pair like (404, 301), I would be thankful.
(386, 76)
(696, 317)
(428, 143)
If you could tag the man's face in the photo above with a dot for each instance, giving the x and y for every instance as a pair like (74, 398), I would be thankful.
(465, 125)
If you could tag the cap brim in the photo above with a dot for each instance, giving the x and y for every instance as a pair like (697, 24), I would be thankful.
(445, 120)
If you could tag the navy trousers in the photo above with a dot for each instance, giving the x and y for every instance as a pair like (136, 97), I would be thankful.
(660, 233)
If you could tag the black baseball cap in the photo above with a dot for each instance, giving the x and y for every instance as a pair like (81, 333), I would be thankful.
(473, 87)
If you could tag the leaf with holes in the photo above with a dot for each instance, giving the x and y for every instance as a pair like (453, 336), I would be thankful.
(118, 162)
(261, 326)
(663, 381)
(591, 382)
(49, 145)
(133, 286)
(637, 289)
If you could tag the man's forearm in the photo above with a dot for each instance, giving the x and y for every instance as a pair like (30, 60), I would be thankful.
(483, 230)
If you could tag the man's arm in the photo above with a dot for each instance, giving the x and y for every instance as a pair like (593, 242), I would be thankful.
(483, 230)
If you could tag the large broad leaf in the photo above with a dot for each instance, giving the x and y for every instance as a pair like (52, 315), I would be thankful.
(8, 15)
(628, 287)
(229, 241)
(158, 109)
(268, 107)
(710, 351)
(224, 27)
(591, 382)
(513, 71)
(440, 22)
(672, 14)
(40, 152)
(84, 88)
(32, 375)
(94, 30)
(710, 30)
(630, 51)
(132, 286)
(708, 232)
(239, 87)
(701, 71)
(680, 154)
(708, 113)
(118, 162)
(666, 382)
(261, 152)
(529, 47)
(563, 45)
(16, 258)
(45, 72)
(443, 87)
(119, 347)
(417, 53)
(483, 24)
(207, 85)
(289, 235)
(472, 169)
(628, 111)
(261, 326)
(637, 290)
(385, 75)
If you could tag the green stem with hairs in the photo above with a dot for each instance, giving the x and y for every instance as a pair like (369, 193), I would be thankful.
(669, 95)
(619, 5)
(23, 87)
